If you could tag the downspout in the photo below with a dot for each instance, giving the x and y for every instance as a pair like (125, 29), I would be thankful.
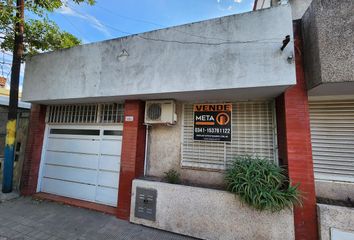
(146, 159)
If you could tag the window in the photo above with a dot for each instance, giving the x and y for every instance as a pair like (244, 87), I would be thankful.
(332, 136)
(86, 113)
(253, 133)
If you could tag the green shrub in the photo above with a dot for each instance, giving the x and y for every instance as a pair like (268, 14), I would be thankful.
(172, 176)
(261, 184)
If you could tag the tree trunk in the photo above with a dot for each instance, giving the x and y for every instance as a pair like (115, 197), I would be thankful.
(13, 104)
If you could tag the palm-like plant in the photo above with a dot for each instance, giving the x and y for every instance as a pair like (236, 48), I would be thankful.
(261, 184)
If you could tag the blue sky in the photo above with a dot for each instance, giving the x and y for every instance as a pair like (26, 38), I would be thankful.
(111, 19)
(105, 19)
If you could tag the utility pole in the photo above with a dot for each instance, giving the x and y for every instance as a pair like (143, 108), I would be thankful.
(13, 104)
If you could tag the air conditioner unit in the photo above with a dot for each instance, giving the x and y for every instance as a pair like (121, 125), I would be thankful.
(160, 112)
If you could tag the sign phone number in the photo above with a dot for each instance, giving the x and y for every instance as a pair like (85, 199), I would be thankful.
(212, 122)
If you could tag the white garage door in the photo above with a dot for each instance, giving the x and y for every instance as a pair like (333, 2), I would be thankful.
(82, 162)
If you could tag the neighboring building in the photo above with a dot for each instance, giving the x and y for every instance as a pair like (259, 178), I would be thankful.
(298, 7)
(22, 127)
(328, 37)
(329, 70)
(91, 139)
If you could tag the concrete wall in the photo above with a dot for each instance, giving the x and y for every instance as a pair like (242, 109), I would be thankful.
(333, 218)
(165, 154)
(298, 7)
(334, 190)
(211, 214)
(328, 30)
(233, 52)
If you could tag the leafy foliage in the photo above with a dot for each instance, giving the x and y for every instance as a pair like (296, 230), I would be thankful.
(40, 33)
(51, 5)
(261, 184)
(172, 176)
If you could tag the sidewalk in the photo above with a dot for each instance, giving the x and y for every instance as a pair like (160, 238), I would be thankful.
(8, 196)
(25, 219)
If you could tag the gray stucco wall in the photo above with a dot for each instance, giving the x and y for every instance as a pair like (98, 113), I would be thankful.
(233, 52)
(328, 31)
(165, 154)
(335, 190)
(299, 7)
(334, 217)
(211, 214)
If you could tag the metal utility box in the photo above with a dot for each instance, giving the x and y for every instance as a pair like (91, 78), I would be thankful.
(145, 203)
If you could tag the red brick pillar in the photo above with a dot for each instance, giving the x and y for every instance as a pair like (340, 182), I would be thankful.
(33, 150)
(295, 150)
(133, 154)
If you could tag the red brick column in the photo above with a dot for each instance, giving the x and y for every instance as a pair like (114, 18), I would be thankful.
(295, 150)
(133, 154)
(33, 150)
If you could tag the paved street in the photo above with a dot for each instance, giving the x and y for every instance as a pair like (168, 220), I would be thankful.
(25, 218)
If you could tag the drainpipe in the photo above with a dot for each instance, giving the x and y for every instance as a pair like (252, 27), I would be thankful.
(146, 159)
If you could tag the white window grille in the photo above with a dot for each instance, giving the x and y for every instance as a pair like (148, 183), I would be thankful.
(332, 136)
(86, 113)
(253, 133)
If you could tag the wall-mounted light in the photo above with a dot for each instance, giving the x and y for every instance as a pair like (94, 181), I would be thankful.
(290, 58)
(123, 55)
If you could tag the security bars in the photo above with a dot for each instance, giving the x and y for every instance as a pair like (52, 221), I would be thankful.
(332, 135)
(253, 133)
(86, 113)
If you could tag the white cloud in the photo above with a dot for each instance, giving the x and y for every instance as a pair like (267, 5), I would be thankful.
(84, 40)
(227, 5)
(66, 10)
(227, 8)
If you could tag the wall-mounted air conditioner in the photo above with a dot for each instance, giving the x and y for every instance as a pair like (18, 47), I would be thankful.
(160, 112)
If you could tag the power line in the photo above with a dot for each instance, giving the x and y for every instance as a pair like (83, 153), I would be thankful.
(131, 18)
(77, 29)
(6, 74)
(153, 23)
(159, 25)
(3, 63)
(224, 42)
(6, 63)
(194, 42)
(119, 30)
(6, 53)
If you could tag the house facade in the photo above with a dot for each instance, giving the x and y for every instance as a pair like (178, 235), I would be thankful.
(108, 120)
(328, 64)
(327, 32)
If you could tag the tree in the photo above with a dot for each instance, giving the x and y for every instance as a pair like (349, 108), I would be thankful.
(27, 36)
(40, 33)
